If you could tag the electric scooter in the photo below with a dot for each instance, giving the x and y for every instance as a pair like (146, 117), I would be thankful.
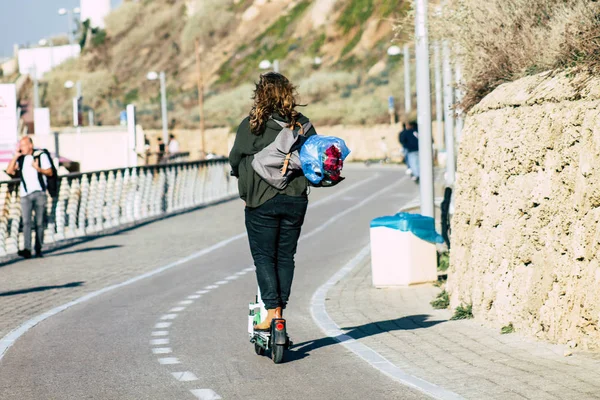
(276, 340)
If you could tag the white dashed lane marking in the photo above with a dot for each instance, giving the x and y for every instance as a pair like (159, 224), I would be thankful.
(205, 394)
(168, 360)
(162, 350)
(209, 394)
(186, 376)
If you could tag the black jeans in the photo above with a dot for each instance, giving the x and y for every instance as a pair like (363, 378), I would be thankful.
(273, 232)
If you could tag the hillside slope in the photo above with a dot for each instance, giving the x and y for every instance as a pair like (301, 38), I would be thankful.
(349, 36)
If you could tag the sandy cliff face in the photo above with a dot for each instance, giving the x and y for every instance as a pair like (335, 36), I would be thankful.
(526, 233)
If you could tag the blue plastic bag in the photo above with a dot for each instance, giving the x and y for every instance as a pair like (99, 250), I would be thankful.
(421, 226)
(313, 156)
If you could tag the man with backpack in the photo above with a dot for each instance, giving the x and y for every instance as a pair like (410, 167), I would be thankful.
(34, 168)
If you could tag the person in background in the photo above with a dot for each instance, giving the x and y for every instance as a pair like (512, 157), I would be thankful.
(32, 190)
(173, 145)
(409, 138)
(160, 154)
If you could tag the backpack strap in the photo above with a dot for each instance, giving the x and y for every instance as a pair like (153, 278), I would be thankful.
(38, 156)
(303, 128)
(20, 163)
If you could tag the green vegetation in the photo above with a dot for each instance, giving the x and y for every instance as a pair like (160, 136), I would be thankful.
(507, 329)
(279, 27)
(356, 13)
(272, 44)
(317, 44)
(131, 96)
(442, 301)
(463, 312)
(99, 37)
(443, 261)
(352, 43)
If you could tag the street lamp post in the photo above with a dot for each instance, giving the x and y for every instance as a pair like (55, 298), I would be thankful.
(424, 109)
(407, 94)
(266, 64)
(152, 76)
(69, 13)
(448, 113)
(439, 111)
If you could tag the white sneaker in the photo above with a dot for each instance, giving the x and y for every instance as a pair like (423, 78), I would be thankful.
(408, 171)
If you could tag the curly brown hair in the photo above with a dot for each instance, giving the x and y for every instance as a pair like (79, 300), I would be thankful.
(273, 93)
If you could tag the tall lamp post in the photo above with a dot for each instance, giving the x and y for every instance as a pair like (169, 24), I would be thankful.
(424, 109)
(152, 76)
(69, 13)
(266, 64)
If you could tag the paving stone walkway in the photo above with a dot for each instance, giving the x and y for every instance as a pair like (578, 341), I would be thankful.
(461, 356)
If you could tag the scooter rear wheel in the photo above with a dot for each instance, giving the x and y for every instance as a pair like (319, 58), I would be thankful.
(277, 353)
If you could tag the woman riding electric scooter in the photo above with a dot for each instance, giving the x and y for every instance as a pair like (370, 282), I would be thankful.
(274, 217)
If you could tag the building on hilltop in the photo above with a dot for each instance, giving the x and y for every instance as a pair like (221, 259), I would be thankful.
(95, 11)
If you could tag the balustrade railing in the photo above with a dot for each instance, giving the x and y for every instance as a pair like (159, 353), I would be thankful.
(92, 202)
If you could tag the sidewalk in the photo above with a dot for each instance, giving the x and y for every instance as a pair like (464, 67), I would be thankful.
(460, 356)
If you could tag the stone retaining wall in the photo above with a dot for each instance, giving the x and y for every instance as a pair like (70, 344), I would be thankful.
(525, 235)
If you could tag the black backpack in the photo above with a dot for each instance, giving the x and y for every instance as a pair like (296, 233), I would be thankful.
(53, 181)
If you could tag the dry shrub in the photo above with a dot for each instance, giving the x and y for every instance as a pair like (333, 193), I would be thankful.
(230, 107)
(322, 83)
(121, 21)
(503, 40)
(210, 21)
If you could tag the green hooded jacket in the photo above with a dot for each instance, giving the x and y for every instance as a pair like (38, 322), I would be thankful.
(252, 188)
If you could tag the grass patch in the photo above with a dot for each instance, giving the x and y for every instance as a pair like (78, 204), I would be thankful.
(315, 47)
(356, 13)
(442, 301)
(279, 27)
(507, 329)
(99, 37)
(443, 262)
(272, 44)
(352, 43)
(463, 312)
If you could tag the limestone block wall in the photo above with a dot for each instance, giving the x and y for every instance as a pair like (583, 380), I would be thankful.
(526, 233)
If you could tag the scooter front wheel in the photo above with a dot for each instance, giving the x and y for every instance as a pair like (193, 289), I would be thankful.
(258, 349)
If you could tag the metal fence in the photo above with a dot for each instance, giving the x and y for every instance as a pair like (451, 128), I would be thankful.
(90, 203)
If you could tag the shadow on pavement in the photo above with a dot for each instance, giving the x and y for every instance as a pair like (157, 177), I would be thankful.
(41, 289)
(86, 250)
(421, 321)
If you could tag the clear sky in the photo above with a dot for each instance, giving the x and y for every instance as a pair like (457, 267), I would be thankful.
(28, 21)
